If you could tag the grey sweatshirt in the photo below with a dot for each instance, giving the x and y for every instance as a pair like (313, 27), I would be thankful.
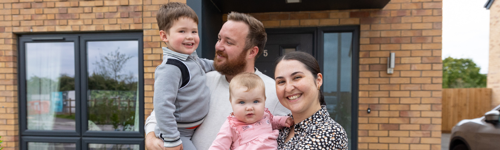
(178, 102)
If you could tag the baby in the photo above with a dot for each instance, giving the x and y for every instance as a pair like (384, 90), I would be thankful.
(250, 125)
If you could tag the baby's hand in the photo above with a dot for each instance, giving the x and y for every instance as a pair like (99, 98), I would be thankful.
(289, 122)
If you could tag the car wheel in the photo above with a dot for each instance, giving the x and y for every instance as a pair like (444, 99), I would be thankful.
(460, 146)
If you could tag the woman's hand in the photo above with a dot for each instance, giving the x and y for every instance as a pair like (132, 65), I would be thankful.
(289, 122)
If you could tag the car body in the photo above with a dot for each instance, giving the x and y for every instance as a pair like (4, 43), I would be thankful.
(477, 134)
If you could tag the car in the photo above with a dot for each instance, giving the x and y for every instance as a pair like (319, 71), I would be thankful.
(477, 134)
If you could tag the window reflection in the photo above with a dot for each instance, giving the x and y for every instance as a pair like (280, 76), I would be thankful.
(51, 146)
(50, 79)
(113, 73)
(337, 78)
(288, 50)
(113, 147)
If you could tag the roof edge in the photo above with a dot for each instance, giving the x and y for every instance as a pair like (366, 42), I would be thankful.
(488, 4)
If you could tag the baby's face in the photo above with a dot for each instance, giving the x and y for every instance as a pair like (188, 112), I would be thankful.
(248, 106)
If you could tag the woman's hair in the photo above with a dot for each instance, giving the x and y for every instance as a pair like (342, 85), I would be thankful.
(309, 62)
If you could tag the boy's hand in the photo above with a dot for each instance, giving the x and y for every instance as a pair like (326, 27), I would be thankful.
(174, 148)
(289, 122)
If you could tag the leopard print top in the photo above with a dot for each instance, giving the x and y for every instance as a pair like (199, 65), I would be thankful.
(316, 132)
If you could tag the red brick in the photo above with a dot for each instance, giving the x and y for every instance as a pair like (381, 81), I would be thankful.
(400, 13)
(389, 126)
(299, 16)
(369, 20)
(380, 13)
(378, 67)
(388, 113)
(359, 14)
(380, 40)
(400, 40)
(431, 32)
(432, 5)
(420, 94)
(322, 15)
(409, 113)
(411, 19)
(399, 107)
(391, 20)
(411, 6)
(421, 67)
(370, 33)
(389, 87)
(286, 16)
(420, 133)
(411, 33)
(422, 12)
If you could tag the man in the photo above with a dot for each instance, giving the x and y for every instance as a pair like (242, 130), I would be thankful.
(241, 40)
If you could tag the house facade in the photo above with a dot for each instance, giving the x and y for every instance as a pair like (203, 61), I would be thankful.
(494, 63)
(80, 74)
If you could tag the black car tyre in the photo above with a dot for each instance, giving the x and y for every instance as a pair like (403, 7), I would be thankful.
(460, 146)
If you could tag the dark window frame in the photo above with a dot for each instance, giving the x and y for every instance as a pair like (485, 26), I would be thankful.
(26, 139)
(81, 76)
(354, 72)
(317, 52)
(86, 141)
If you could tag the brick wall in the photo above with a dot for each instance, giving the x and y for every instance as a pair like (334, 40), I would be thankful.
(53, 16)
(494, 66)
(406, 106)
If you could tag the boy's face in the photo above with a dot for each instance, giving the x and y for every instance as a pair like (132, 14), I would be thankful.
(182, 37)
(248, 106)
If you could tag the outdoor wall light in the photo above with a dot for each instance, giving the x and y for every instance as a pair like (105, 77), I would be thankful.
(293, 1)
(391, 63)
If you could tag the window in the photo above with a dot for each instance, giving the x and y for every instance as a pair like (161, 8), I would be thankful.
(81, 91)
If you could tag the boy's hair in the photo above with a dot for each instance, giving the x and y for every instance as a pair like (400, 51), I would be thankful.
(248, 80)
(171, 12)
(257, 35)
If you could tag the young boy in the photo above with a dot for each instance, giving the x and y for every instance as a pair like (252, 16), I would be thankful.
(181, 97)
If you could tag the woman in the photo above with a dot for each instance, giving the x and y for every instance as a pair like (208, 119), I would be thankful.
(298, 81)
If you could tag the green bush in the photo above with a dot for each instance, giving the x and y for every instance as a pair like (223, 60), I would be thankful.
(1, 143)
(112, 107)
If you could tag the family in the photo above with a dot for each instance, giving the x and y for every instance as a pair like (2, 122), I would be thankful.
(227, 103)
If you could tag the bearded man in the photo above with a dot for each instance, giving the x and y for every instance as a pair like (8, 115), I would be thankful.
(241, 40)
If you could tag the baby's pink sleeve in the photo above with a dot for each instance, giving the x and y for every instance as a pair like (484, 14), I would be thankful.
(224, 138)
(279, 121)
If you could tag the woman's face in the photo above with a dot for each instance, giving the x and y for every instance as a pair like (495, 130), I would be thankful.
(296, 87)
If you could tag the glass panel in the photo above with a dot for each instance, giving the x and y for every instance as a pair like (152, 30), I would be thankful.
(113, 73)
(337, 78)
(50, 83)
(51, 146)
(113, 146)
(288, 50)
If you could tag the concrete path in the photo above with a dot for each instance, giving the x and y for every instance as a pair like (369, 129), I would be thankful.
(445, 141)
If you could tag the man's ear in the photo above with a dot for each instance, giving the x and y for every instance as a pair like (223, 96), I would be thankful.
(163, 36)
(252, 52)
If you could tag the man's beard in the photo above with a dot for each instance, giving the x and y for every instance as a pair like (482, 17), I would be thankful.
(231, 67)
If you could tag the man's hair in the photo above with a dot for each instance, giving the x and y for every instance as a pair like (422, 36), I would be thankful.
(171, 12)
(257, 35)
(248, 80)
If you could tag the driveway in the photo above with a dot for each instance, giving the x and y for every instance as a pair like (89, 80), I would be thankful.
(445, 141)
